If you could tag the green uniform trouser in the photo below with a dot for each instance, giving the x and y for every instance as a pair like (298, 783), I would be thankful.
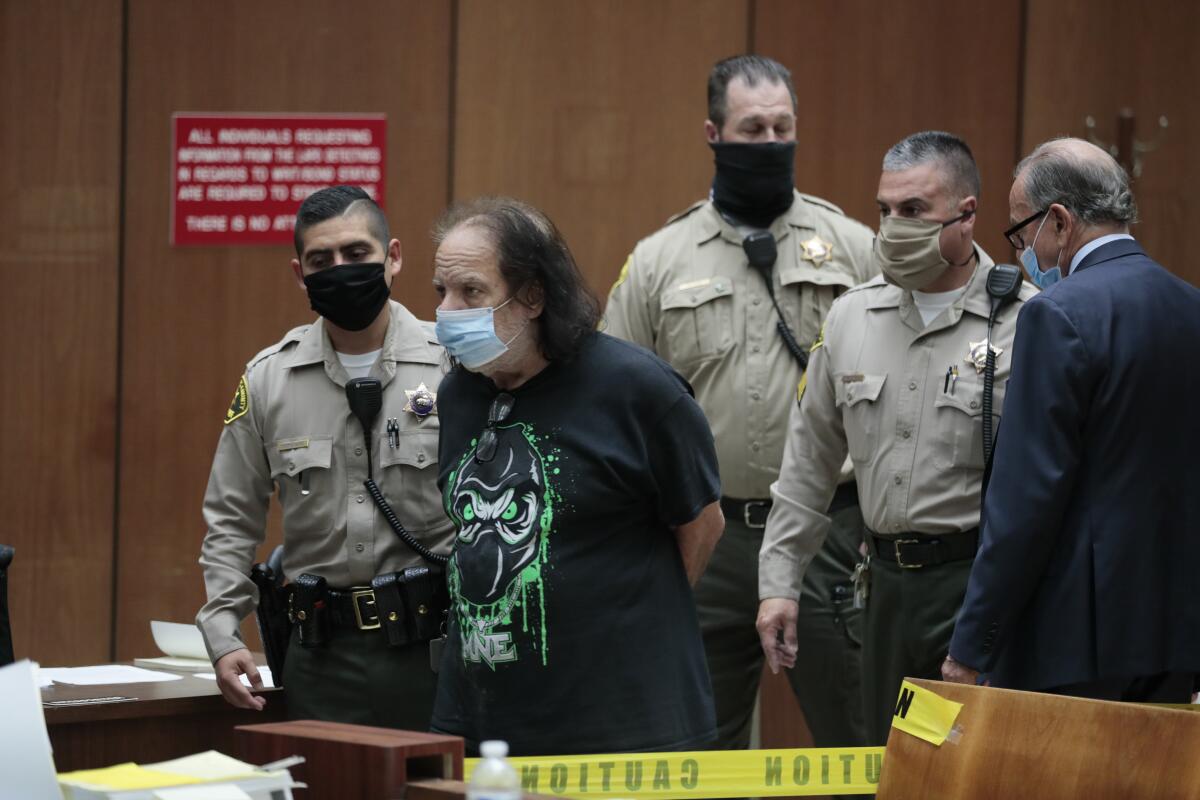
(909, 621)
(359, 678)
(827, 672)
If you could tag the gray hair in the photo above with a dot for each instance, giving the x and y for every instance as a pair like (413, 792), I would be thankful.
(1096, 190)
(946, 149)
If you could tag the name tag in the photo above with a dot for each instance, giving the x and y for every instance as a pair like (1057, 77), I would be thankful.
(284, 445)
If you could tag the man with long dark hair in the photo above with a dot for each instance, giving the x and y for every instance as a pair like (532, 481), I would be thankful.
(580, 476)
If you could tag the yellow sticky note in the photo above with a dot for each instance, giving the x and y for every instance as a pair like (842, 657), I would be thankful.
(924, 714)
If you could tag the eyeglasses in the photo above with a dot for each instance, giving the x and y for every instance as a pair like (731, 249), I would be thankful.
(501, 407)
(1013, 234)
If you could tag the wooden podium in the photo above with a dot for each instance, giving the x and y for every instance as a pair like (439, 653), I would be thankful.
(1021, 744)
(352, 761)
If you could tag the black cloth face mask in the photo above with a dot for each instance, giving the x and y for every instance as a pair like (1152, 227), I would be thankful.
(753, 181)
(350, 295)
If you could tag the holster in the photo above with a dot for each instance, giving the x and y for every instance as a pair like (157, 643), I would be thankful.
(411, 604)
(310, 610)
(6, 645)
(274, 627)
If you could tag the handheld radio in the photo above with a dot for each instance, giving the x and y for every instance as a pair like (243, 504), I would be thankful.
(1003, 287)
(762, 252)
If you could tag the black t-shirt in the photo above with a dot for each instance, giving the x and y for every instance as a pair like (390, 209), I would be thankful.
(573, 628)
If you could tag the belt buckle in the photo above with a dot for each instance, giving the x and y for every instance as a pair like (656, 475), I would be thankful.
(899, 560)
(746, 513)
(369, 596)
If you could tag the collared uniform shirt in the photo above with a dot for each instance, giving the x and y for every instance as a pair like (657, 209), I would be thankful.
(877, 388)
(688, 293)
(296, 431)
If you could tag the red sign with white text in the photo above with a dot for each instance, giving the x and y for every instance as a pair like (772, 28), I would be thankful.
(240, 178)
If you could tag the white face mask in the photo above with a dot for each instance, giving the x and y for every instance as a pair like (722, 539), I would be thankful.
(469, 335)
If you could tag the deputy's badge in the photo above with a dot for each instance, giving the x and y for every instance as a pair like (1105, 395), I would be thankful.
(241, 402)
(977, 355)
(421, 401)
(817, 250)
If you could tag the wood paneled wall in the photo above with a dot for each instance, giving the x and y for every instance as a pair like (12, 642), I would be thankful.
(60, 101)
(127, 350)
(593, 112)
(867, 76)
(1095, 57)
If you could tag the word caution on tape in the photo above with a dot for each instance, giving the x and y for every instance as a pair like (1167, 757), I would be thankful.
(703, 774)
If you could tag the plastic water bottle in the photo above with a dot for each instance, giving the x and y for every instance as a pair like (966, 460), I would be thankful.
(494, 778)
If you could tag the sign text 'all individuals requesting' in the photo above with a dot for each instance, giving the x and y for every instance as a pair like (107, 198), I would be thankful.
(239, 179)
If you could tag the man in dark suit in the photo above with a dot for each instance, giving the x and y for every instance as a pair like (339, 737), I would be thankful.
(1085, 582)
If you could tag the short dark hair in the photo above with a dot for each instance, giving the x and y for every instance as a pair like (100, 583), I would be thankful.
(334, 201)
(1095, 189)
(531, 252)
(945, 148)
(749, 68)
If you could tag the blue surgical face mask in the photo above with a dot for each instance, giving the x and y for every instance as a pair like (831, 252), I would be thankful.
(1043, 279)
(469, 335)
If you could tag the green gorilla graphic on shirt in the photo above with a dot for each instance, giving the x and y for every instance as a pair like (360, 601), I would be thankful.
(503, 509)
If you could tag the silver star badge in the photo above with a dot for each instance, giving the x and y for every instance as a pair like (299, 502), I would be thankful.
(977, 355)
(421, 401)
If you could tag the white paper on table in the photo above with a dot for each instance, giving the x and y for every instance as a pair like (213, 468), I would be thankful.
(179, 640)
(26, 762)
(264, 673)
(248, 780)
(210, 765)
(208, 791)
(106, 673)
(170, 662)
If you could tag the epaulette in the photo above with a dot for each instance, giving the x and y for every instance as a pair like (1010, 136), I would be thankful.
(689, 210)
(294, 335)
(1028, 291)
(430, 330)
(825, 204)
(875, 283)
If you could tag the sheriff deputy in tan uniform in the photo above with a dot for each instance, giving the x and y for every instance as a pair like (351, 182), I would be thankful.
(690, 294)
(896, 380)
(290, 430)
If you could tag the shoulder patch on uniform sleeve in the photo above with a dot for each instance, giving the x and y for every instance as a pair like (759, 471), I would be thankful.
(820, 342)
(817, 201)
(241, 402)
(624, 273)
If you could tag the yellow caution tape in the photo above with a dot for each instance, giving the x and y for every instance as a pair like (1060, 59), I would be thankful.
(702, 774)
(924, 714)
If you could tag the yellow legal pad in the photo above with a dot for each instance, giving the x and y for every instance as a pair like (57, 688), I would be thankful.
(125, 776)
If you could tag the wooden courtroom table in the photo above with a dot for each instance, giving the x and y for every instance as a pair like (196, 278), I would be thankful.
(163, 721)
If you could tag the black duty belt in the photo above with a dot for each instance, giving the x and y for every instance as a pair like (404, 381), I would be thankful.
(913, 551)
(353, 608)
(753, 513)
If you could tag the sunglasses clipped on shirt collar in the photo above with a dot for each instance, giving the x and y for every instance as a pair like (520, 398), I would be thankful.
(501, 407)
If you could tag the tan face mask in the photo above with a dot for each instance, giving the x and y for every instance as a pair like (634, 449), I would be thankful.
(908, 253)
